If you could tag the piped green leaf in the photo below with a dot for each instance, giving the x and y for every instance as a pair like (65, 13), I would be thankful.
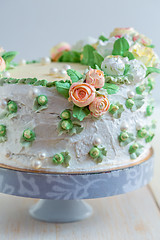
(152, 70)
(70, 56)
(98, 59)
(74, 75)
(111, 88)
(103, 38)
(120, 46)
(88, 55)
(9, 56)
(63, 88)
(80, 112)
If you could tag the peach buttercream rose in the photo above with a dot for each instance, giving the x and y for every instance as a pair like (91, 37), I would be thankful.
(58, 50)
(81, 94)
(2, 64)
(95, 78)
(99, 106)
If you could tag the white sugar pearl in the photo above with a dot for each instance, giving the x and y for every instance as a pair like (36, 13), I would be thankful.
(34, 92)
(6, 74)
(22, 62)
(97, 141)
(53, 71)
(3, 103)
(62, 72)
(139, 125)
(42, 155)
(66, 67)
(45, 60)
(36, 164)
(130, 94)
(124, 126)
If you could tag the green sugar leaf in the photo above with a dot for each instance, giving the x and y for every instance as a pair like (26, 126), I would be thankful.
(152, 70)
(151, 46)
(88, 55)
(74, 75)
(9, 56)
(80, 113)
(127, 67)
(70, 56)
(63, 88)
(103, 38)
(111, 88)
(129, 55)
(121, 46)
(98, 59)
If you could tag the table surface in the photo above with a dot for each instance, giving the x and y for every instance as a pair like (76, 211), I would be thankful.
(133, 216)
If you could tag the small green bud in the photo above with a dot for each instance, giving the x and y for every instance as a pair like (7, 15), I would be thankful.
(140, 89)
(149, 110)
(2, 130)
(133, 148)
(66, 124)
(124, 136)
(58, 158)
(114, 108)
(94, 152)
(12, 107)
(42, 100)
(142, 133)
(65, 114)
(29, 135)
(129, 103)
(150, 137)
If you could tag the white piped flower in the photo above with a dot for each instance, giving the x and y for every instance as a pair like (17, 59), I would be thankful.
(137, 71)
(113, 65)
(106, 48)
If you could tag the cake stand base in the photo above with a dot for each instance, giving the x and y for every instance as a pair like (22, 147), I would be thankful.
(60, 211)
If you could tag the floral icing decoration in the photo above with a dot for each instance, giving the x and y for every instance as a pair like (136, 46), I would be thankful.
(149, 110)
(66, 125)
(28, 137)
(97, 153)
(116, 110)
(147, 132)
(99, 106)
(134, 103)
(3, 133)
(81, 94)
(95, 78)
(40, 103)
(125, 138)
(135, 150)
(6, 60)
(61, 159)
(10, 111)
(59, 49)
(142, 133)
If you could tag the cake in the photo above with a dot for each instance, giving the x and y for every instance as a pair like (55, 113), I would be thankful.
(87, 107)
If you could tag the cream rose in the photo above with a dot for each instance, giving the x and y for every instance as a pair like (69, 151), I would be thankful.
(81, 94)
(95, 78)
(2, 64)
(99, 106)
(119, 32)
(58, 50)
(144, 54)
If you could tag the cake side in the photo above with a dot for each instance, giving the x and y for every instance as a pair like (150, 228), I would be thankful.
(82, 119)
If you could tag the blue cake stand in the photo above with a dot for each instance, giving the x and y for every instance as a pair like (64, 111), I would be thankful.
(61, 193)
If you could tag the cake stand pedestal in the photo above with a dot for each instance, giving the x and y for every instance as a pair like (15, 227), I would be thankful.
(60, 194)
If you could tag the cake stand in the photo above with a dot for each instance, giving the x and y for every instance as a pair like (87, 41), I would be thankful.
(61, 193)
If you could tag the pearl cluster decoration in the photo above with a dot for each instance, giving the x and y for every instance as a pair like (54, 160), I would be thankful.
(61, 72)
(97, 141)
(22, 62)
(36, 164)
(130, 94)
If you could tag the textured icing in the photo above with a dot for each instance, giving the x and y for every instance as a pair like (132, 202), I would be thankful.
(45, 125)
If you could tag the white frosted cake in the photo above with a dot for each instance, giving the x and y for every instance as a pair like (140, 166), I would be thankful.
(86, 108)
